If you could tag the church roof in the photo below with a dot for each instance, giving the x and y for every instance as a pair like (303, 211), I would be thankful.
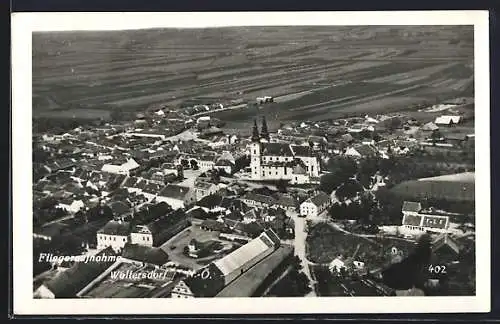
(276, 149)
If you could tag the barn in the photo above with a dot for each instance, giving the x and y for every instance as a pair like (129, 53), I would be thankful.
(208, 281)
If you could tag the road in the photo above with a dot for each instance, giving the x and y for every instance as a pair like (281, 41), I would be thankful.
(300, 248)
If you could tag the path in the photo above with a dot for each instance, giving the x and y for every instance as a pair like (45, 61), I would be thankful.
(300, 248)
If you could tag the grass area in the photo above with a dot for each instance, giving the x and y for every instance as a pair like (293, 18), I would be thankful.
(325, 243)
(250, 281)
(447, 190)
(175, 247)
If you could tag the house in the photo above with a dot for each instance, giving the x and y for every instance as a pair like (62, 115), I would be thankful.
(411, 208)
(225, 165)
(176, 196)
(160, 229)
(123, 168)
(336, 265)
(213, 226)
(361, 151)
(203, 189)
(429, 127)
(257, 200)
(285, 201)
(72, 207)
(314, 206)
(447, 120)
(198, 249)
(446, 248)
(68, 283)
(114, 234)
(421, 221)
(145, 254)
(49, 232)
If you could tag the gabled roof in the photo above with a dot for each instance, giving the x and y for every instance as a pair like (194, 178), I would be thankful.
(320, 199)
(302, 150)
(410, 206)
(276, 149)
(115, 228)
(145, 254)
(119, 207)
(174, 191)
(68, 283)
(249, 251)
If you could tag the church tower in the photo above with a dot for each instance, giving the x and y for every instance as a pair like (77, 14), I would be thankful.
(255, 153)
(264, 131)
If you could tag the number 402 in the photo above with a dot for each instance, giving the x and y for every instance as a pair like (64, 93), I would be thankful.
(438, 269)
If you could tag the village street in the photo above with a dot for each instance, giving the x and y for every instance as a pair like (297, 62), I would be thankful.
(300, 248)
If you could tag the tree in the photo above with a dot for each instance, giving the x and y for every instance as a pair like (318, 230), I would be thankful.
(282, 185)
(194, 164)
(185, 163)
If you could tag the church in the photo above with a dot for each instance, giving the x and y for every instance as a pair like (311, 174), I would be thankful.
(297, 164)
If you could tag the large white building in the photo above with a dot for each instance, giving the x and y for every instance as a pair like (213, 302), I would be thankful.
(281, 161)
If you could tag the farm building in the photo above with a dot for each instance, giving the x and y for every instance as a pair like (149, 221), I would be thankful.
(208, 281)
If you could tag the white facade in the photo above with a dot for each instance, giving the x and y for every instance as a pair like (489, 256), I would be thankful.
(142, 236)
(308, 209)
(124, 168)
(262, 170)
(181, 290)
(117, 242)
(73, 208)
(336, 265)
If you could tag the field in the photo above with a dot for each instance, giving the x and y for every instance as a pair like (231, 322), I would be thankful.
(456, 187)
(316, 72)
(246, 284)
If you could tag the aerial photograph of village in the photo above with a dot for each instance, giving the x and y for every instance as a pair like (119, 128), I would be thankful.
(273, 161)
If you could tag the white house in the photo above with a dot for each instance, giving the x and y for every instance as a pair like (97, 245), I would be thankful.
(141, 235)
(203, 189)
(177, 196)
(314, 206)
(336, 265)
(447, 120)
(73, 208)
(124, 168)
(114, 234)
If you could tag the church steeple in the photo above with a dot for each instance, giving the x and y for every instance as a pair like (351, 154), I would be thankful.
(255, 132)
(264, 132)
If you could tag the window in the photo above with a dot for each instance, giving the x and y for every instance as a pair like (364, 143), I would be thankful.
(123, 239)
(114, 238)
(254, 151)
(312, 168)
(147, 238)
(269, 172)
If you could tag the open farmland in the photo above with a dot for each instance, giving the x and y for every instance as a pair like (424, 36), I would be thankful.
(334, 69)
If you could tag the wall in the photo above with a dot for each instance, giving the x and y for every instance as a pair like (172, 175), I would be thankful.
(141, 239)
(115, 241)
(308, 209)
